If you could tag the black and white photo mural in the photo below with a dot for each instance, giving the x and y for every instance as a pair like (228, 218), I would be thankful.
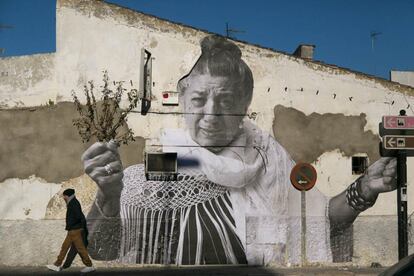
(234, 204)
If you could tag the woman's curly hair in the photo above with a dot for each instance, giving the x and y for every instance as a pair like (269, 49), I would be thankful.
(221, 58)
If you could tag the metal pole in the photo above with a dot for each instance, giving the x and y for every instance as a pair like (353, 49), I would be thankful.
(303, 228)
(402, 204)
(402, 201)
(227, 29)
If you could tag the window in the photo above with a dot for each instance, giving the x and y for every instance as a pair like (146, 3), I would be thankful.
(161, 166)
(359, 164)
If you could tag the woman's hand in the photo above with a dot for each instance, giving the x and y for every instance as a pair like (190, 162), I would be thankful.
(102, 163)
(381, 177)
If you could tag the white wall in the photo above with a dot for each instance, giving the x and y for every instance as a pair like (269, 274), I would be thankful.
(403, 77)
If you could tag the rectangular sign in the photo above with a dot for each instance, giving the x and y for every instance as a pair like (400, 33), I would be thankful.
(398, 122)
(398, 142)
(161, 176)
(170, 98)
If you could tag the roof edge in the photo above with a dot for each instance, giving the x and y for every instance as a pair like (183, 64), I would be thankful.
(118, 8)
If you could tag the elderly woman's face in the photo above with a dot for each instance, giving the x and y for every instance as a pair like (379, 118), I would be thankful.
(217, 108)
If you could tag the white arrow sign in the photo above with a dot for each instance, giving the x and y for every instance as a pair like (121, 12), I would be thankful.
(391, 121)
(399, 142)
(391, 142)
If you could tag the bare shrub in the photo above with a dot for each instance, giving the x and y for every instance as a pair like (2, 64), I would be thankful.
(104, 119)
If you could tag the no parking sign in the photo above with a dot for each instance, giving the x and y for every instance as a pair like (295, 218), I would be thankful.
(303, 176)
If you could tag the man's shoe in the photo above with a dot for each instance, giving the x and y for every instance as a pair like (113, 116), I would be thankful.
(53, 267)
(88, 269)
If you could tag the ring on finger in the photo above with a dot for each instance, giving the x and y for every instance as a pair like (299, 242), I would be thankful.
(108, 169)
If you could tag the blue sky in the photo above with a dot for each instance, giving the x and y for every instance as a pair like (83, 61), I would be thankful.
(340, 29)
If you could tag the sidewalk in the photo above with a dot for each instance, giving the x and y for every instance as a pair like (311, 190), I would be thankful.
(198, 271)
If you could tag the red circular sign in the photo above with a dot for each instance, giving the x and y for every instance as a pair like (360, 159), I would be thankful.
(303, 176)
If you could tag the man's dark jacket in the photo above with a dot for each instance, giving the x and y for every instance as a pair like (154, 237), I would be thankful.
(75, 219)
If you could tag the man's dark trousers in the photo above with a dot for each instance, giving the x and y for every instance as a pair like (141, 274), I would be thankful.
(72, 252)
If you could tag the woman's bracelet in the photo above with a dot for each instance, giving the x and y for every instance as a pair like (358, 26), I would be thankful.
(355, 199)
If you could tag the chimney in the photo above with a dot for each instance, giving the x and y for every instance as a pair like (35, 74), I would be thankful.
(304, 51)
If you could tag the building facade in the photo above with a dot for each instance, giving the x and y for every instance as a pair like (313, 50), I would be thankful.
(232, 210)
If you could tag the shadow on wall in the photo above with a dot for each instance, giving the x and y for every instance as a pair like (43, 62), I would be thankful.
(308, 137)
(42, 141)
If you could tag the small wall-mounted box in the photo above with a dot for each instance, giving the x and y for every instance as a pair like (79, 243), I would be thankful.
(170, 98)
(161, 166)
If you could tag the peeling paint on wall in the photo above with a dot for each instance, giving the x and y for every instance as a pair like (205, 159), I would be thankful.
(85, 190)
(127, 17)
(25, 198)
(308, 137)
(43, 141)
(102, 10)
(25, 71)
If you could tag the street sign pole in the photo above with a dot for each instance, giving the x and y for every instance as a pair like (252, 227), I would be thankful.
(303, 178)
(402, 204)
(402, 200)
(398, 141)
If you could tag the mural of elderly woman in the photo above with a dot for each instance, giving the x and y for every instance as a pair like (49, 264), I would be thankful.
(241, 173)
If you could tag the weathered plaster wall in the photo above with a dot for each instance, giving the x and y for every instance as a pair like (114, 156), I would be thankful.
(308, 137)
(27, 80)
(320, 113)
(25, 198)
(403, 77)
(42, 141)
(40, 156)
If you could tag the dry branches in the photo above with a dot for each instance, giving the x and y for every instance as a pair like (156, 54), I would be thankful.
(104, 119)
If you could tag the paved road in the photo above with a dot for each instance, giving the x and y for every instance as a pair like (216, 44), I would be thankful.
(196, 271)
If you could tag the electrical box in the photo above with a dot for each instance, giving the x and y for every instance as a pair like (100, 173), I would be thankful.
(161, 166)
(145, 83)
(170, 98)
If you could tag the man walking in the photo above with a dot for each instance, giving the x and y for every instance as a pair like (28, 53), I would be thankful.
(73, 252)
(75, 225)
